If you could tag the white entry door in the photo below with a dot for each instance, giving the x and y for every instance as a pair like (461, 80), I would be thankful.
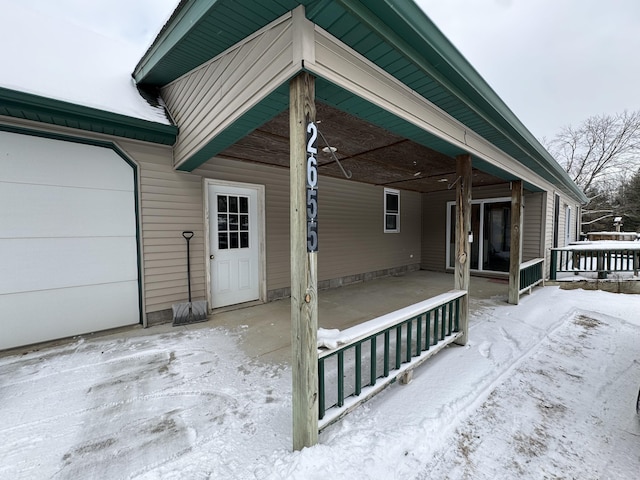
(234, 244)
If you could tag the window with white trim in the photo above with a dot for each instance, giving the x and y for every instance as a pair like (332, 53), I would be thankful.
(391, 210)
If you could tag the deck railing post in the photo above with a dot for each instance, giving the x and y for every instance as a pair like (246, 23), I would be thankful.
(554, 265)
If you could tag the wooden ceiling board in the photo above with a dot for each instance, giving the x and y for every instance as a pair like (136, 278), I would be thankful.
(370, 153)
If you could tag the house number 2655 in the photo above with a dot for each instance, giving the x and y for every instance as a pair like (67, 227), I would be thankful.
(312, 188)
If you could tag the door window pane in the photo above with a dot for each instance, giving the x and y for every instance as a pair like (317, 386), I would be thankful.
(223, 243)
(244, 205)
(222, 223)
(233, 222)
(233, 204)
(233, 229)
(222, 203)
(233, 240)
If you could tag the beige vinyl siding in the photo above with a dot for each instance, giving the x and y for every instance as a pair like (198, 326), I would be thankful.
(350, 223)
(211, 97)
(351, 230)
(532, 231)
(434, 230)
(170, 203)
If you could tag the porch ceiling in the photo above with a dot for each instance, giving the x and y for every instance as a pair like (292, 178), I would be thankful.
(372, 154)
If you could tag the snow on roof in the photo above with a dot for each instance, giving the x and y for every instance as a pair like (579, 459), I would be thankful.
(62, 61)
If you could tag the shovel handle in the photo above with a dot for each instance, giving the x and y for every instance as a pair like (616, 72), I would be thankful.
(187, 235)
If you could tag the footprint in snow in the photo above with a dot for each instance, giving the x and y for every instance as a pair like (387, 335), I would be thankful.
(485, 349)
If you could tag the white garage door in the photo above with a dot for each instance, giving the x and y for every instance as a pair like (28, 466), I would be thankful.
(68, 251)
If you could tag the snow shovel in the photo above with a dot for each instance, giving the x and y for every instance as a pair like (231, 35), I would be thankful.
(189, 312)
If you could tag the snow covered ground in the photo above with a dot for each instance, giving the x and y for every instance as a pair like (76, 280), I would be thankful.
(543, 390)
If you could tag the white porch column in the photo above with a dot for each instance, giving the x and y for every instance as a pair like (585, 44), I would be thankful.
(463, 246)
(304, 302)
(515, 257)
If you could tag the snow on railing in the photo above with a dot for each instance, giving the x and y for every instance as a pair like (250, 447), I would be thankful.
(359, 362)
(599, 257)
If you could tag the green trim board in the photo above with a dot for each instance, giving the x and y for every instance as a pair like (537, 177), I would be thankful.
(28, 106)
(136, 192)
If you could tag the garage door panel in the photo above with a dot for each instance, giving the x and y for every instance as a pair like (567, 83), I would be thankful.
(46, 315)
(51, 211)
(30, 159)
(68, 240)
(46, 263)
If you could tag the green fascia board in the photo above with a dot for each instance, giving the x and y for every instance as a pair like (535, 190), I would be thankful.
(186, 16)
(28, 106)
(164, 61)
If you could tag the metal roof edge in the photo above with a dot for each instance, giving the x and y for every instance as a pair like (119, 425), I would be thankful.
(86, 118)
(186, 15)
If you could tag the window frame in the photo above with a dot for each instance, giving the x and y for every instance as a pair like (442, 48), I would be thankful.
(391, 191)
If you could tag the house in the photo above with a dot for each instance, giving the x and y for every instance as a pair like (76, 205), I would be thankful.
(96, 189)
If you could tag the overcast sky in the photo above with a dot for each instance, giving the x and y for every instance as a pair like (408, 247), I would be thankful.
(553, 62)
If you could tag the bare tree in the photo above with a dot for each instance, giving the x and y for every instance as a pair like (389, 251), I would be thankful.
(600, 151)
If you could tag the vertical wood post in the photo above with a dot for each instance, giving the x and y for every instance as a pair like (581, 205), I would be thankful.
(463, 247)
(515, 257)
(304, 300)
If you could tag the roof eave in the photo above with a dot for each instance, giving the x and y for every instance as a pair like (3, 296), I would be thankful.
(187, 14)
(17, 104)
(421, 25)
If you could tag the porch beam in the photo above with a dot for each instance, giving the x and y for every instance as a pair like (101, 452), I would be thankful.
(304, 299)
(515, 257)
(463, 246)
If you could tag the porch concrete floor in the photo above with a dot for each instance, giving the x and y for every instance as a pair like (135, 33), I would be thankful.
(268, 329)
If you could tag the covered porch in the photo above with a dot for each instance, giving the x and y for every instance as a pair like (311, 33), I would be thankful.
(267, 337)
(367, 146)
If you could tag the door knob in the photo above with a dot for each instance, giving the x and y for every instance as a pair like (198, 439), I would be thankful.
(211, 257)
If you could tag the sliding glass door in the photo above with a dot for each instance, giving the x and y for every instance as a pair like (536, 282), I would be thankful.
(491, 234)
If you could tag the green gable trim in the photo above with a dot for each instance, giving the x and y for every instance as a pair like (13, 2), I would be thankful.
(57, 112)
(199, 30)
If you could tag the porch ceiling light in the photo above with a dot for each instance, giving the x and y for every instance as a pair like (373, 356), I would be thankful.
(329, 149)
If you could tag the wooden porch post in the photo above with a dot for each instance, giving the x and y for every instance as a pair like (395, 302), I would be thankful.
(515, 257)
(463, 246)
(304, 302)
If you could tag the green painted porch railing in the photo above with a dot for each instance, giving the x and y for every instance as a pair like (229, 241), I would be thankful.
(602, 261)
(531, 274)
(376, 352)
